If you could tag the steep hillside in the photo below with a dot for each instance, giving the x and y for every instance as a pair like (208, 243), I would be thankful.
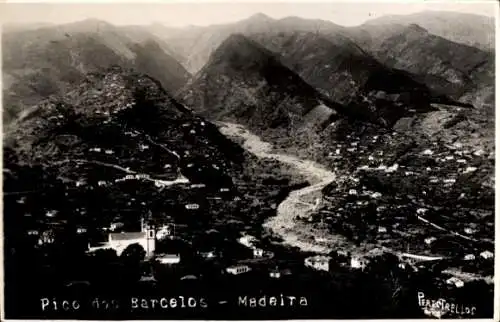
(246, 83)
(468, 29)
(119, 140)
(345, 73)
(48, 61)
(463, 72)
(336, 66)
(117, 147)
(117, 110)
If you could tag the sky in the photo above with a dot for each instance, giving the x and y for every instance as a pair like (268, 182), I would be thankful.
(180, 13)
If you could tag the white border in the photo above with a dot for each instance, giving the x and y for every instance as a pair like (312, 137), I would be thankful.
(496, 316)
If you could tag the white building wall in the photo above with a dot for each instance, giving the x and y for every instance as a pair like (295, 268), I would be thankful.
(121, 245)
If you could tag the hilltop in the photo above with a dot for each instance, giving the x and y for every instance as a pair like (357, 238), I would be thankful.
(48, 61)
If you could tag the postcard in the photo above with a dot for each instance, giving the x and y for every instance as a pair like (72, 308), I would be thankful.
(248, 161)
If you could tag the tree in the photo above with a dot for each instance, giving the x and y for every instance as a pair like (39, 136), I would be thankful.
(134, 253)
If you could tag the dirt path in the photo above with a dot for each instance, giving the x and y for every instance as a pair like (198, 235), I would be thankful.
(180, 180)
(284, 223)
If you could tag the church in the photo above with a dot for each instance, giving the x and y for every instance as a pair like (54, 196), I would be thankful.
(120, 241)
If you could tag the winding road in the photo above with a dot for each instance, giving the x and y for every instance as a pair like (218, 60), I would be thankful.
(284, 223)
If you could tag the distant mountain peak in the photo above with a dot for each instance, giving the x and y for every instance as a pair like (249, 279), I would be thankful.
(90, 24)
(240, 52)
(416, 27)
(259, 17)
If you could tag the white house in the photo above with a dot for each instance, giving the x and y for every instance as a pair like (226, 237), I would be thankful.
(51, 213)
(47, 237)
(238, 269)
(321, 239)
(169, 259)
(470, 169)
(382, 229)
(342, 252)
(358, 262)
(164, 232)
(486, 254)
(116, 225)
(392, 168)
(318, 262)
(33, 232)
(208, 255)
(469, 257)
(192, 206)
(469, 230)
(455, 281)
(159, 184)
(247, 241)
(81, 230)
(257, 252)
(430, 240)
(275, 274)
(478, 153)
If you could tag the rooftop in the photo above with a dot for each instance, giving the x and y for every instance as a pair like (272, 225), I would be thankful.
(127, 236)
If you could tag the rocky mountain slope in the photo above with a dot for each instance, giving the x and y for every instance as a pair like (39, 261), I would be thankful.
(301, 79)
(463, 72)
(468, 29)
(333, 64)
(111, 117)
(345, 73)
(246, 83)
(50, 60)
(397, 42)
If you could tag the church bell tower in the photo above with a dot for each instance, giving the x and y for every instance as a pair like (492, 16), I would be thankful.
(149, 229)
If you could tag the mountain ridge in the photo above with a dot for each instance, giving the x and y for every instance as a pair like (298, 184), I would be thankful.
(246, 81)
(47, 61)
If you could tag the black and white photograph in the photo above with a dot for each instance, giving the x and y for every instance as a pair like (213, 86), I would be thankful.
(248, 161)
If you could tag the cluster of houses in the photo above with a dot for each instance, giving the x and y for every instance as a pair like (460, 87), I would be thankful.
(133, 177)
(106, 151)
(249, 242)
